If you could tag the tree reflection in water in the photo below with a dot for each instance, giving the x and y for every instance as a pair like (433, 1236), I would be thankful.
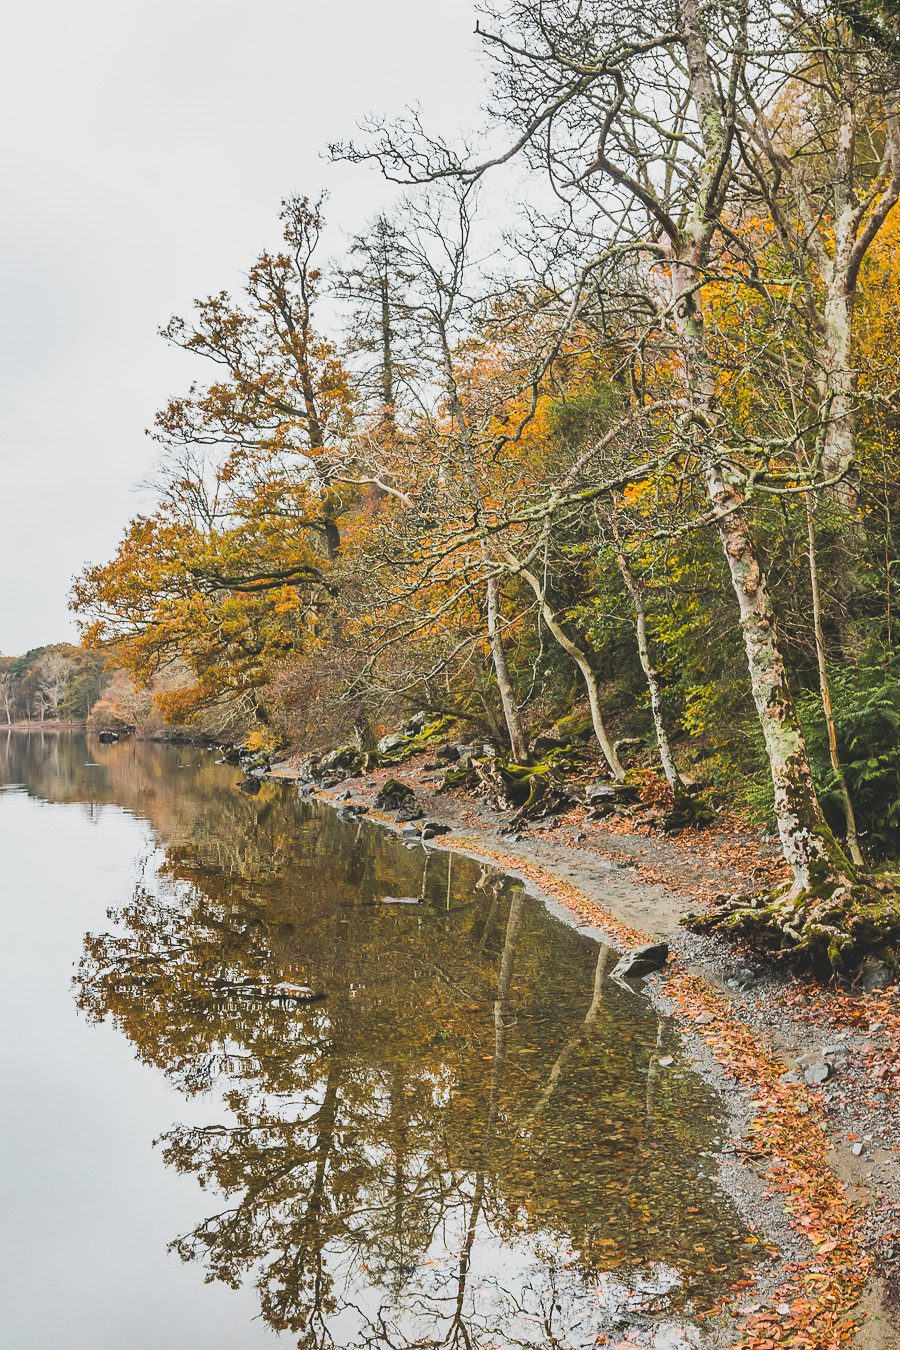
(435, 1124)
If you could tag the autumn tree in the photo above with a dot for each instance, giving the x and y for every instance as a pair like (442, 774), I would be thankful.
(230, 572)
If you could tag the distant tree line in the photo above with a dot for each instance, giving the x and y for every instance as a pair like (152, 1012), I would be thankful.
(57, 682)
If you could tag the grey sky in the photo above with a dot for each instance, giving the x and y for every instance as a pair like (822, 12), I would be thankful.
(147, 144)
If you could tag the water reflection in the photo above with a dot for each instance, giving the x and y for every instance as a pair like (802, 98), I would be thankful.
(430, 1124)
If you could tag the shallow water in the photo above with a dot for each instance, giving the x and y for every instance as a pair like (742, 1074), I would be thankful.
(426, 1124)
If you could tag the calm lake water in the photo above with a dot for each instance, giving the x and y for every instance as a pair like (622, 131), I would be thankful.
(249, 1103)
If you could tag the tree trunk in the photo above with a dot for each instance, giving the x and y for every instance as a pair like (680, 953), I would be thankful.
(839, 381)
(583, 663)
(673, 777)
(517, 740)
(805, 838)
(387, 356)
(809, 847)
(825, 690)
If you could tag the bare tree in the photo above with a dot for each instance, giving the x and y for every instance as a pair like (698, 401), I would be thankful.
(822, 151)
(7, 694)
(54, 670)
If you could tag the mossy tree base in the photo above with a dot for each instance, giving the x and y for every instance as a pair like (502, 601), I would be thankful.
(829, 928)
(531, 790)
(687, 811)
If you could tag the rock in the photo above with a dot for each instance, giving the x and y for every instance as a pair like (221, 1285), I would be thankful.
(254, 763)
(249, 785)
(456, 775)
(742, 981)
(409, 832)
(108, 737)
(817, 1073)
(448, 754)
(876, 974)
(856, 1150)
(604, 798)
(542, 745)
(432, 828)
(666, 1061)
(340, 764)
(642, 961)
(626, 743)
(393, 795)
(829, 1051)
(418, 722)
(388, 744)
(411, 812)
(686, 811)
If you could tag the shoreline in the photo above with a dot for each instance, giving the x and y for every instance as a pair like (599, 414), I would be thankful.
(53, 727)
(790, 1165)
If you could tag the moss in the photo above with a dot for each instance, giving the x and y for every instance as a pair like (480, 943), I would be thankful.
(436, 730)
(457, 776)
(575, 726)
(419, 741)
(829, 928)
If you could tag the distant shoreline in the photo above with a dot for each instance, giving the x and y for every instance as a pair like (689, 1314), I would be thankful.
(48, 725)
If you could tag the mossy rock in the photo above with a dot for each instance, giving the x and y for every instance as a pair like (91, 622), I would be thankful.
(416, 742)
(393, 794)
(687, 811)
(458, 776)
(574, 726)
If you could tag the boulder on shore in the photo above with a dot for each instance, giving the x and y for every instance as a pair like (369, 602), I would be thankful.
(393, 795)
(642, 961)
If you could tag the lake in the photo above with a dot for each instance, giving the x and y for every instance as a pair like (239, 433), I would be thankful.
(273, 1077)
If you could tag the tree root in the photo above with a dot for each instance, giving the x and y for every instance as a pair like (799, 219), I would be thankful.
(830, 928)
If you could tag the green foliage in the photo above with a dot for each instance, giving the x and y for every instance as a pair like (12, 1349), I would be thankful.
(579, 416)
(866, 706)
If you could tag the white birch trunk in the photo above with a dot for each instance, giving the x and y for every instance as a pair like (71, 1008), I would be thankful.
(581, 660)
(511, 717)
(673, 777)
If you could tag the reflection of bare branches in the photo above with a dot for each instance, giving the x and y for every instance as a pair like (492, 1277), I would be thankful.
(653, 1068)
(457, 1334)
(573, 1042)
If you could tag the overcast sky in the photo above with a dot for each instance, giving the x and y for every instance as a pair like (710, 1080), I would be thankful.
(147, 145)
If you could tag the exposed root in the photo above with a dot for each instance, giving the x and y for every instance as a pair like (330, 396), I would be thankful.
(830, 927)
